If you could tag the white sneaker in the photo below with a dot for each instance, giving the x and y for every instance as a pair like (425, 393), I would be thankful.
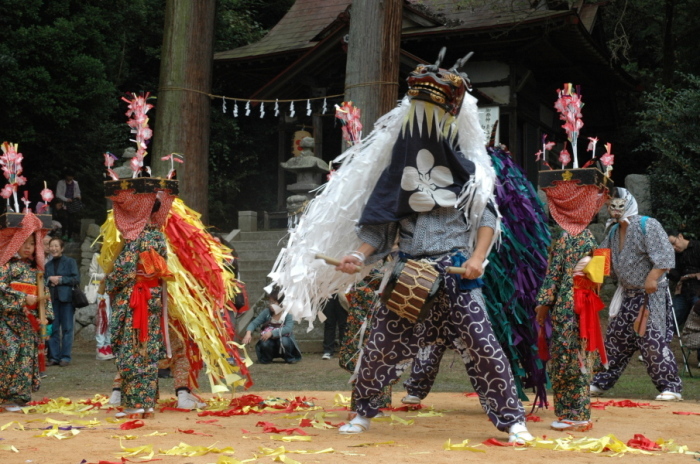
(103, 356)
(115, 399)
(410, 399)
(359, 424)
(186, 400)
(572, 426)
(518, 434)
(669, 396)
(595, 391)
(326, 356)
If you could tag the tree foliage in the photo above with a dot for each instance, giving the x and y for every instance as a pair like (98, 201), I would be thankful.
(670, 122)
(65, 65)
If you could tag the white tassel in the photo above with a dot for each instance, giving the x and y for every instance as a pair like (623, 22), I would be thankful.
(291, 110)
(262, 110)
(223, 105)
(247, 108)
(308, 107)
(235, 109)
(325, 106)
(277, 107)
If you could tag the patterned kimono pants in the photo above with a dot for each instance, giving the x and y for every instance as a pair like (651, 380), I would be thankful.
(457, 317)
(621, 342)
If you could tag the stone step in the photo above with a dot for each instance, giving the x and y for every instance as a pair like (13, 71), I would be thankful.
(258, 275)
(260, 235)
(259, 245)
(269, 254)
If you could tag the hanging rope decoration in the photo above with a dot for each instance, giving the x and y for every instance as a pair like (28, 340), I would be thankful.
(292, 111)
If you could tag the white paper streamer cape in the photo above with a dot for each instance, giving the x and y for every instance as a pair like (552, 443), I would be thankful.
(328, 224)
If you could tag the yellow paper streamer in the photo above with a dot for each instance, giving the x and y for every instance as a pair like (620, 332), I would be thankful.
(365, 445)
(9, 448)
(290, 438)
(183, 449)
(281, 450)
(464, 446)
(146, 451)
(54, 432)
(341, 400)
(19, 425)
(393, 420)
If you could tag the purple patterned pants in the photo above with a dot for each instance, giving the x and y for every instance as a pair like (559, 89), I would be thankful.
(621, 342)
(424, 370)
(457, 318)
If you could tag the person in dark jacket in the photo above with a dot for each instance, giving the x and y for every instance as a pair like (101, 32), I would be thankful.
(61, 277)
(687, 275)
(276, 334)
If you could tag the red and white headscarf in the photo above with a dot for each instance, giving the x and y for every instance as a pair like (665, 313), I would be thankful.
(12, 239)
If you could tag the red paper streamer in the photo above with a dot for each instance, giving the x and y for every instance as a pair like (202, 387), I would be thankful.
(134, 424)
(494, 442)
(643, 443)
(192, 432)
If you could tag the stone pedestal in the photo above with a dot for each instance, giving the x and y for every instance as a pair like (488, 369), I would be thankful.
(247, 221)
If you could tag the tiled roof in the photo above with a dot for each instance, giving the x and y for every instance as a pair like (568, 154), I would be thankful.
(295, 31)
(307, 18)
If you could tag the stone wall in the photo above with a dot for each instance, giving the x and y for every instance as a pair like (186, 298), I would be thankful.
(85, 317)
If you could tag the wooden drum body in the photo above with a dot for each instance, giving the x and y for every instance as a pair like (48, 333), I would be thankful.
(412, 289)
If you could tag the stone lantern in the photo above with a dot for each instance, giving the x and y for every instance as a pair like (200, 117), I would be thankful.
(311, 173)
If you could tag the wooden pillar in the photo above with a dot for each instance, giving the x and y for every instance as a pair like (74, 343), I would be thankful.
(282, 154)
(183, 105)
(372, 69)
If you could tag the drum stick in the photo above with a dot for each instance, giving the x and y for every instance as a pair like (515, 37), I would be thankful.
(461, 270)
(332, 261)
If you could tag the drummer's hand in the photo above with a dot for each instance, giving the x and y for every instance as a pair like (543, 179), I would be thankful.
(30, 300)
(349, 264)
(474, 267)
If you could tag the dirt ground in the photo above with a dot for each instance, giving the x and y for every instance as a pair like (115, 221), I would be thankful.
(290, 430)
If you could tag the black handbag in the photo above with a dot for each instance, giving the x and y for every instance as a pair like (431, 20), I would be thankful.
(79, 298)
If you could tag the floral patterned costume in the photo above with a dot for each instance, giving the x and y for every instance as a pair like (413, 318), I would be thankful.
(570, 366)
(362, 300)
(137, 359)
(19, 369)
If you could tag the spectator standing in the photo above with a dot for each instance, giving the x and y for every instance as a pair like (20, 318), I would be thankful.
(336, 316)
(68, 191)
(61, 277)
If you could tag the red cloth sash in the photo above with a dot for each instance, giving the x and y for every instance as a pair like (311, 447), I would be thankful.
(140, 296)
(587, 304)
(29, 289)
